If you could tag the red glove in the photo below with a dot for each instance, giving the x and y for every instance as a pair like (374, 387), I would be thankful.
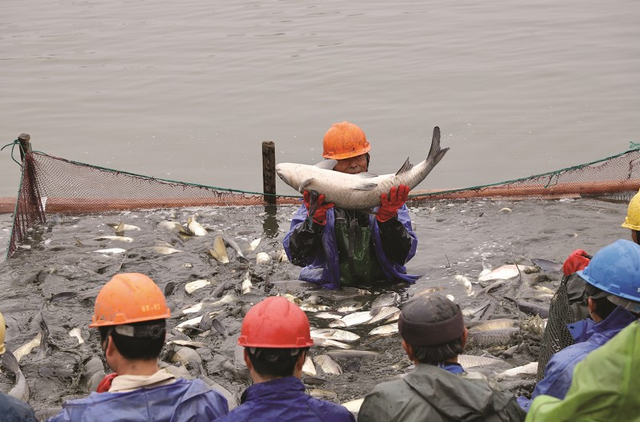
(320, 213)
(105, 384)
(390, 204)
(576, 262)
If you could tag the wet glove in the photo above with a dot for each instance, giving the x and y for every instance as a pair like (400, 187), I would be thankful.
(105, 384)
(576, 262)
(390, 204)
(320, 208)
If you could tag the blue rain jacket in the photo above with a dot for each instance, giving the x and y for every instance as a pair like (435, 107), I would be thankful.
(13, 410)
(181, 401)
(284, 400)
(559, 371)
(325, 265)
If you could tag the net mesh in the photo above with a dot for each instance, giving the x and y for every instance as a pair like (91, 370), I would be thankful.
(55, 185)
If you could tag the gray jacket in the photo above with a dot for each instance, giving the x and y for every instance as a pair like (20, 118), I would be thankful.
(432, 394)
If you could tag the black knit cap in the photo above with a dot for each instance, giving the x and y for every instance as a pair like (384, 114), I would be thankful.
(430, 320)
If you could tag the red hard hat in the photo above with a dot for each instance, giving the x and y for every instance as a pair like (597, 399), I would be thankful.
(275, 323)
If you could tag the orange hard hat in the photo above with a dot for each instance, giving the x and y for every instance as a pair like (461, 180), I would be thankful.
(344, 140)
(129, 298)
(275, 323)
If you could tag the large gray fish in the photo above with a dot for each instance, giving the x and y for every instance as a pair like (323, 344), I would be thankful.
(358, 191)
(20, 390)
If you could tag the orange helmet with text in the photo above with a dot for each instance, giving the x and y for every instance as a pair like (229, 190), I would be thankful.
(275, 323)
(344, 140)
(129, 298)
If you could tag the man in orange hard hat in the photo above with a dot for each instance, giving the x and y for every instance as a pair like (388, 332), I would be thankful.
(130, 313)
(276, 337)
(340, 247)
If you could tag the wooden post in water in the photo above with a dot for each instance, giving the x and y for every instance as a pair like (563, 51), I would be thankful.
(269, 171)
(25, 144)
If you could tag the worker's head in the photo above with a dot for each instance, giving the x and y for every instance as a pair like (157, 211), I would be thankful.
(432, 329)
(276, 336)
(632, 221)
(613, 275)
(131, 311)
(3, 328)
(347, 143)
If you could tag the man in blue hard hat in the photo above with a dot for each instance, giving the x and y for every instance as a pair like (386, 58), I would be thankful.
(612, 297)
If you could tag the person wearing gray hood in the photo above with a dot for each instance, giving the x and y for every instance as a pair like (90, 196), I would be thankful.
(437, 390)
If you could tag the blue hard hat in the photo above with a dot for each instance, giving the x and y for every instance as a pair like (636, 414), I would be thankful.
(615, 269)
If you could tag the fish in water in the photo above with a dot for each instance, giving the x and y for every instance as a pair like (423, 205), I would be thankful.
(219, 250)
(230, 243)
(195, 227)
(327, 365)
(358, 191)
(192, 286)
(384, 330)
(334, 334)
(20, 390)
(355, 318)
(116, 238)
(500, 337)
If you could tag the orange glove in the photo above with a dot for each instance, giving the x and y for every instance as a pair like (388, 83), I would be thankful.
(390, 204)
(317, 211)
(576, 262)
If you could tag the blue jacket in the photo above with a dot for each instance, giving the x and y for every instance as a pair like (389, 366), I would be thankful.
(13, 410)
(558, 373)
(284, 400)
(325, 265)
(181, 401)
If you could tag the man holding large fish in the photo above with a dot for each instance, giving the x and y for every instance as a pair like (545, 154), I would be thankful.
(354, 227)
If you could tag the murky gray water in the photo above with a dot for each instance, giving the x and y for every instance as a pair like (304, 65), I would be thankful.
(55, 277)
(189, 90)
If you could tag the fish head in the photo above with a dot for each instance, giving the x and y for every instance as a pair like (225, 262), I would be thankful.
(288, 173)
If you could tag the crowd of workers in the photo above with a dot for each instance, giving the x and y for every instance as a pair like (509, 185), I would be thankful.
(590, 380)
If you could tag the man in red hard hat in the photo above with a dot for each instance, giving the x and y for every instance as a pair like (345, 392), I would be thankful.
(130, 313)
(276, 337)
(339, 247)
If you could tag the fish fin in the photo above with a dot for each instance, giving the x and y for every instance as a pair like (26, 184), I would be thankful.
(327, 164)
(407, 166)
(436, 153)
(305, 183)
(120, 229)
(365, 186)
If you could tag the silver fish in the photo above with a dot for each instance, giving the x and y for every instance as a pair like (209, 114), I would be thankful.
(262, 258)
(492, 324)
(246, 283)
(530, 368)
(308, 368)
(26, 348)
(230, 243)
(164, 250)
(219, 251)
(384, 330)
(116, 238)
(381, 314)
(499, 337)
(355, 318)
(328, 365)
(358, 191)
(334, 334)
(113, 251)
(192, 286)
(20, 390)
(195, 227)
(77, 333)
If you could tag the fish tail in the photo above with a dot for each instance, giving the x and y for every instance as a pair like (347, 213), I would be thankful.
(436, 153)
